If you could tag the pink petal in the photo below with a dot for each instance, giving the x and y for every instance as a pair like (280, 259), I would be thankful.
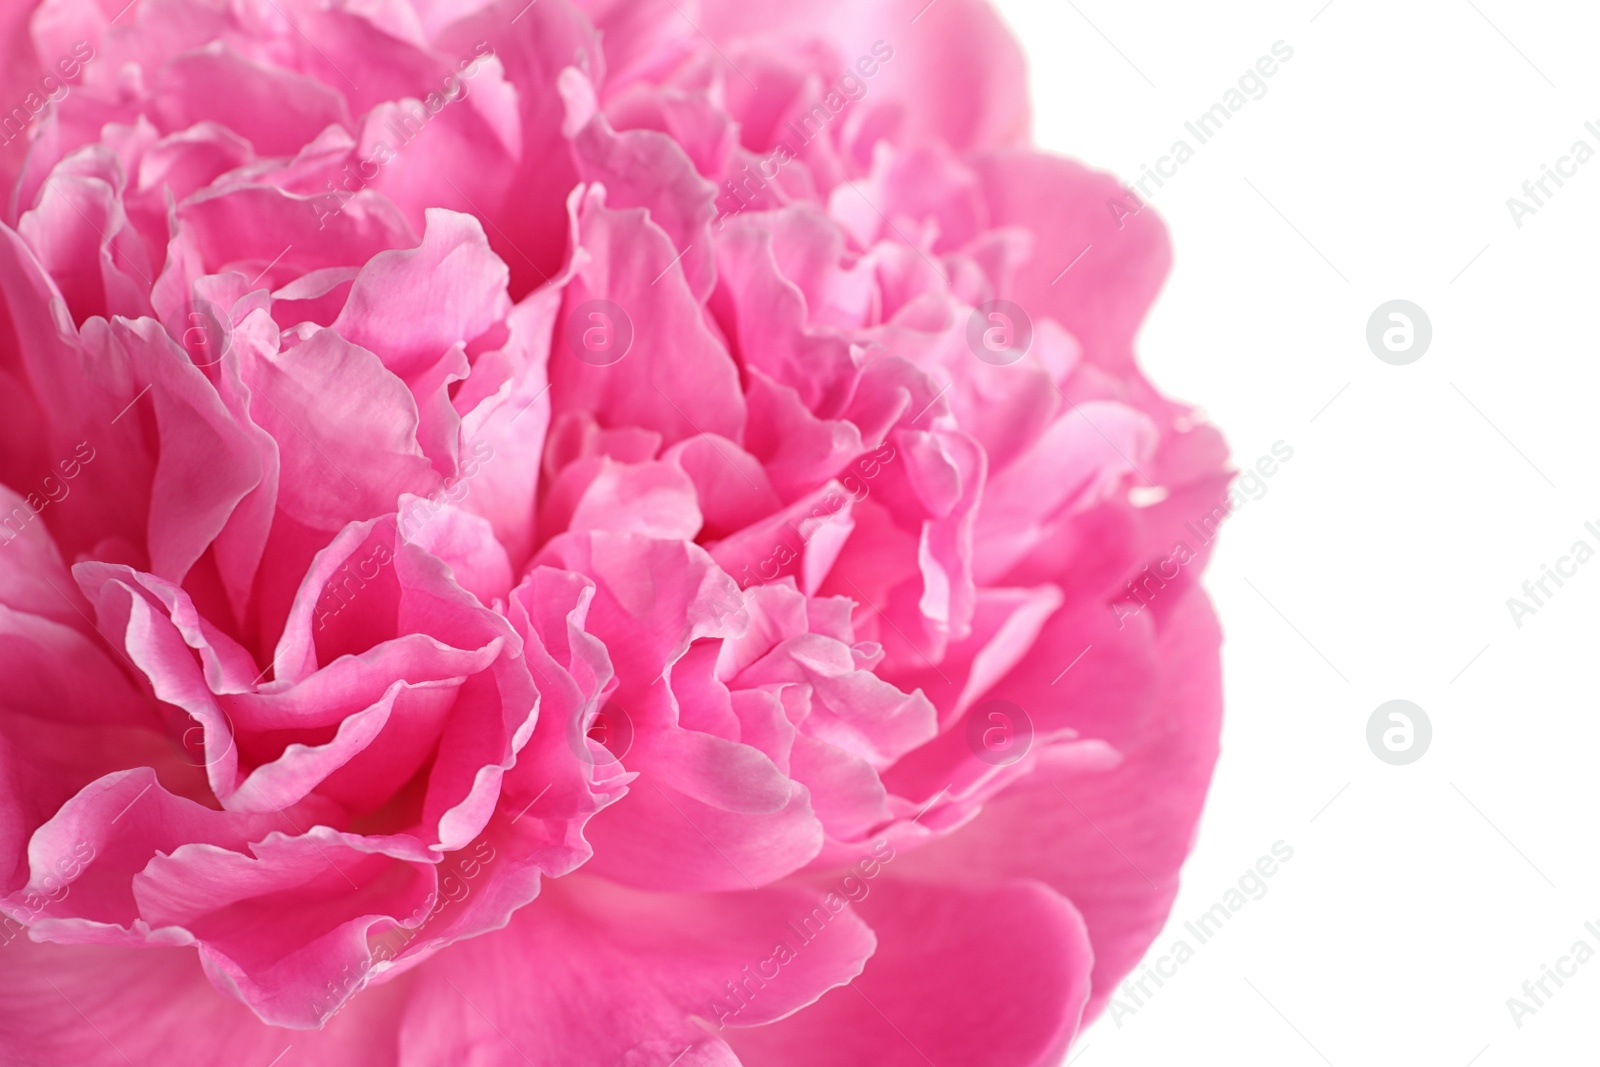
(507, 420)
(275, 109)
(678, 956)
(98, 1006)
(1112, 841)
(346, 431)
(411, 306)
(986, 108)
(1066, 205)
(276, 927)
(677, 378)
(992, 978)
(529, 226)
(643, 168)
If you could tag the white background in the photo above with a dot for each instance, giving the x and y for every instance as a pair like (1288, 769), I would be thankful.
(1379, 562)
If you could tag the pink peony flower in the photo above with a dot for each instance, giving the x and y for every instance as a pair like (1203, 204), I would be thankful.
(583, 532)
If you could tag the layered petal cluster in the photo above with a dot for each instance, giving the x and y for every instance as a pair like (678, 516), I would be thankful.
(608, 532)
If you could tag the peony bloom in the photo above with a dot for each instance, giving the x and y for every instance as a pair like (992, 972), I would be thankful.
(600, 532)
